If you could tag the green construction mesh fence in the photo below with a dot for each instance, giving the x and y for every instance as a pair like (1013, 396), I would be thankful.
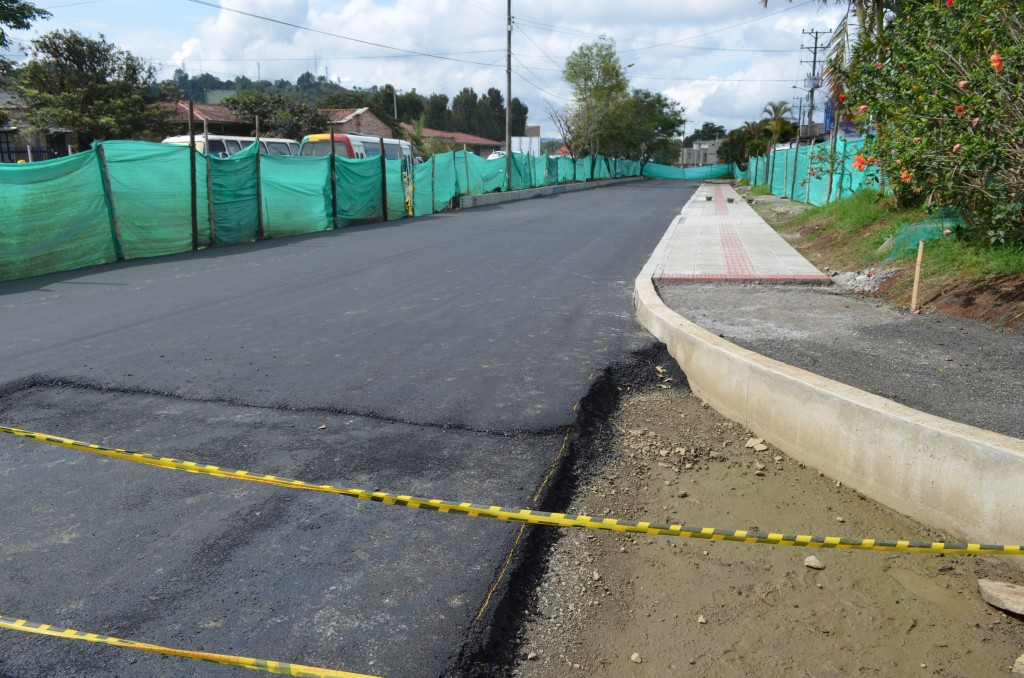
(296, 194)
(358, 188)
(130, 199)
(55, 216)
(653, 170)
(907, 237)
(443, 183)
(815, 173)
(152, 197)
(236, 217)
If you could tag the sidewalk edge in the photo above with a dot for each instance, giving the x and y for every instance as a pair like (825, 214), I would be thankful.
(949, 476)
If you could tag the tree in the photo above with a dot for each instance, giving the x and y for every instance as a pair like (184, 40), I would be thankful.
(90, 87)
(776, 112)
(867, 33)
(464, 111)
(491, 115)
(194, 89)
(15, 15)
(279, 116)
(709, 131)
(755, 137)
(437, 115)
(651, 130)
(600, 92)
(410, 105)
(520, 111)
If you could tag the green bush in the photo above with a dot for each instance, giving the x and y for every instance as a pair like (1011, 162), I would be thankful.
(944, 99)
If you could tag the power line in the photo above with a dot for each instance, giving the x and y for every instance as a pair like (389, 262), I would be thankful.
(650, 45)
(535, 86)
(349, 58)
(721, 30)
(532, 42)
(334, 35)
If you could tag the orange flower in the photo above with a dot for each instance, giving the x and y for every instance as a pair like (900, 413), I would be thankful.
(906, 177)
(956, 148)
(960, 110)
(859, 162)
(997, 62)
(863, 108)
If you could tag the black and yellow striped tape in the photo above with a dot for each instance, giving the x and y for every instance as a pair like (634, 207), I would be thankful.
(280, 668)
(540, 517)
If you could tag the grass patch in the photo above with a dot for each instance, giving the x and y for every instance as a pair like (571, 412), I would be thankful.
(760, 190)
(850, 232)
(966, 278)
(971, 261)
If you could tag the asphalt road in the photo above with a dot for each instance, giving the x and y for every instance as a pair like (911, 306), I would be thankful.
(439, 357)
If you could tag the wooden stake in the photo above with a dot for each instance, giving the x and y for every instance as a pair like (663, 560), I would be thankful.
(917, 277)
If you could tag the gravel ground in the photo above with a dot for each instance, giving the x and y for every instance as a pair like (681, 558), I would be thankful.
(610, 604)
(619, 605)
(958, 369)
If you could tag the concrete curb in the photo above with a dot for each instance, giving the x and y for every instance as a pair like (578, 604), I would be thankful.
(954, 478)
(486, 199)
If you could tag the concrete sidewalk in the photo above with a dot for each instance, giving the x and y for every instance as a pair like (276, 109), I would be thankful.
(718, 237)
(952, 476)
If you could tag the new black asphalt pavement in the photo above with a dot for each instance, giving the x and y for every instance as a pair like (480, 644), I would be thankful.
(439, 357)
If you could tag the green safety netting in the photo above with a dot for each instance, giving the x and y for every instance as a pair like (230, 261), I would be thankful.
(358, 188)
(296, 194)
(436, 184)
(803, 173)
(55, 216)
(444, 188)
(397, 187)
(907, 237)
(152, 197)
(132, 199)
(236, 218)
(653, 170)
(423, 188)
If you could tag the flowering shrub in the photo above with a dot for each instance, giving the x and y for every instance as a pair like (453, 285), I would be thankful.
(947, 107)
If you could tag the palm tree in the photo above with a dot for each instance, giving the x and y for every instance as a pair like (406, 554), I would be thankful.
(869, 30)
(776, 112)
(753, 144)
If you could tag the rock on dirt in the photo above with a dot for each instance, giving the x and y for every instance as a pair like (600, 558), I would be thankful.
(868, 613)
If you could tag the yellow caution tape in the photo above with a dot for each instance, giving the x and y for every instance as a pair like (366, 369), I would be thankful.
(280, 668)
(540, 517)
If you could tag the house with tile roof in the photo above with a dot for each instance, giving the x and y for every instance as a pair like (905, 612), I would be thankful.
(213, 118)
(357, 121)
(458, 140)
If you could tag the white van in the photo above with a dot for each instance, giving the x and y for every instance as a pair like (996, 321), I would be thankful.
(221, 145)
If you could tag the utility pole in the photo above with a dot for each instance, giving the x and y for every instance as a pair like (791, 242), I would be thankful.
(813, 80)
(508, 103)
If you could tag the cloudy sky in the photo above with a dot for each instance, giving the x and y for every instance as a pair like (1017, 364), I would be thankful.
(722, 60)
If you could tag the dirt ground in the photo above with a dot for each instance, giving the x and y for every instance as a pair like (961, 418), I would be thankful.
(619, 605)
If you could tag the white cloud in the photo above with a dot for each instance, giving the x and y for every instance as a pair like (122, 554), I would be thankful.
(667, 40)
